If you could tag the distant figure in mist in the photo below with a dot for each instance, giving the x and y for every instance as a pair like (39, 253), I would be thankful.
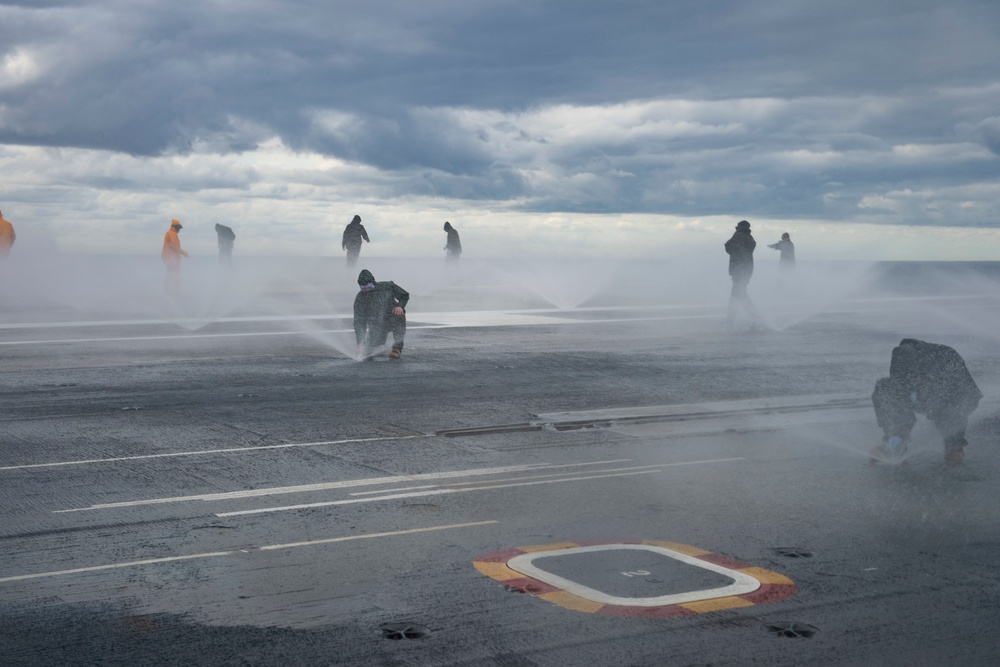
(787, 260)
(740, 249)
(7, 236)
(171, 256)
(354, 233)
(378, 309)
(226, 238)
(927, 379)
(454, 244)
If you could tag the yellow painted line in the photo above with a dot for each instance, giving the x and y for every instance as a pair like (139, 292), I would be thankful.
(498, 571)
(570, 601)
(766, 576)
(718, 604)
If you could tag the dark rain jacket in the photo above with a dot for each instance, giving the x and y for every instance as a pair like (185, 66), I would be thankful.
(935, 376)
(740, 249)
(353, 234)
(787, 249)
(373, 309)
(226, 235)
(454, 244)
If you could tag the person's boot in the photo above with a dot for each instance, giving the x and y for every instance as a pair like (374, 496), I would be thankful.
(395, 354)
(954, 455)
(892, 450)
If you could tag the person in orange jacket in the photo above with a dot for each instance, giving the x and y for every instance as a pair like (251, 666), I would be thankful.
(7, 236)
(171, 256)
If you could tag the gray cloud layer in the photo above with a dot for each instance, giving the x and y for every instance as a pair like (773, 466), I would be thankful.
(848, 109)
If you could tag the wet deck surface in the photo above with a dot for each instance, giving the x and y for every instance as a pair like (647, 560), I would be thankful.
(244, 493)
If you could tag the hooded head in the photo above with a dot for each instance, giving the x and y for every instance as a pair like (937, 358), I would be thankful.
(786, 237)
(176, 223)
(743, 226)
(366, 281)
(447, 226)
(356, 220)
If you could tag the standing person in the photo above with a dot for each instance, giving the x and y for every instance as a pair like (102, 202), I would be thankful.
(454, 244)
(353, 235)
(7, 236)
(928, 379)
(226, 238)
(378, 309)
(787, 260)
(740, 249)
(171, 256)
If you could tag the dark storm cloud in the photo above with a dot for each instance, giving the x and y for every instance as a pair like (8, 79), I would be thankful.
(448, 93)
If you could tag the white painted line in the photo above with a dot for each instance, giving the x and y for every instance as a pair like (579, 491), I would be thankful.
(115, 566)
(742, 583)
(439, 492)
(419, 494)
(709, 409)
(248, 334)
(204, 452)
(216, 554)
(494, 481)
(326, 486)
(410, 531)
(200, 322)
(452, 321)
(180, 322)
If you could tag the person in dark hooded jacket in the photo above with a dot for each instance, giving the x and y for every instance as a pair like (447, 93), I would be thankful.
(740, 249)
(786, 262)
(378, 309)
(354, 234)
(454, 244)
(929, 379)
(226, 237)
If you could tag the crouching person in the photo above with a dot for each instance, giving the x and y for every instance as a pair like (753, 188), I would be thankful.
(928, 379)
(378, 309)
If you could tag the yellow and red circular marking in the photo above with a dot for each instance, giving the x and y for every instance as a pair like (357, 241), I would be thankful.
(773, 586)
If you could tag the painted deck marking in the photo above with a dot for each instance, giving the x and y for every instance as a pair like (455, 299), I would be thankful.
(742, 583)
(219, 554)
(326, 486)
(441, 492)
(205, 452)
(750, 585)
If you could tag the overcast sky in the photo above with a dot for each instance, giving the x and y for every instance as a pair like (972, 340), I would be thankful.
(577, 126)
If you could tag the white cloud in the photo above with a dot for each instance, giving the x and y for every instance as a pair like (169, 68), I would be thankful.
(18, 67)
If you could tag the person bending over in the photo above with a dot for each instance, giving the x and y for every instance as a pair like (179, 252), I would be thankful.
(379, 307)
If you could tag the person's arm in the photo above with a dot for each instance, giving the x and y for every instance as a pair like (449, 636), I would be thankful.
(364, 234)
(174, 245)
(401, 295)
